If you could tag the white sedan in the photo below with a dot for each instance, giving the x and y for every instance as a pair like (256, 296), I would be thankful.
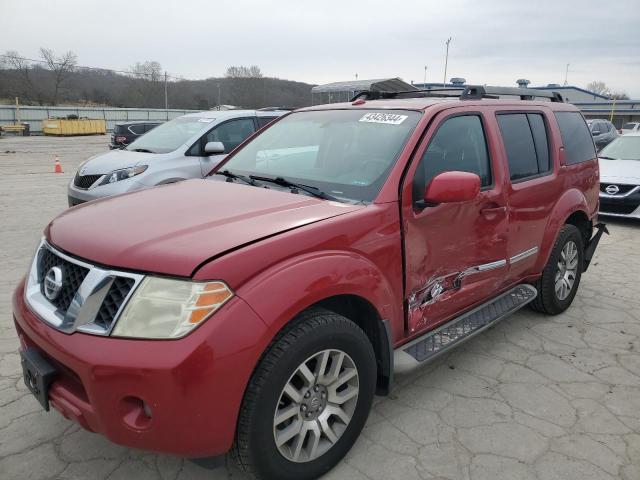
(620, 177)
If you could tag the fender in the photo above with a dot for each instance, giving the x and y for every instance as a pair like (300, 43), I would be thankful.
(571, 201)
(299, 282)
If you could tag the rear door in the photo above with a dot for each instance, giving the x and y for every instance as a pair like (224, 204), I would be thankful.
(533, 186)
(455, 254)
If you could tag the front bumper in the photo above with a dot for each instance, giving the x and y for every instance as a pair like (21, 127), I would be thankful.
(192, 387)
(623, 205)
(76, 196)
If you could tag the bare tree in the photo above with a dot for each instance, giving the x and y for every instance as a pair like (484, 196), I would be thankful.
(12, 60)
(149, 70)
(619, 95)
(244, 72)
(598, 87)
(61, 67)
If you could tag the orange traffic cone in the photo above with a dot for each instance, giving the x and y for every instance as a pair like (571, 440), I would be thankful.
(58, 167)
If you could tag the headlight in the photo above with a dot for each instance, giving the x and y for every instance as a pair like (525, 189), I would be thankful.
(168, 308)
(123, 174)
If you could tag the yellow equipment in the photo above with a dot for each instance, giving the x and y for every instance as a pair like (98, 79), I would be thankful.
(81, 126)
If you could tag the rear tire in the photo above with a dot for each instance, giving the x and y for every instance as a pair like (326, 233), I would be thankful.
(561, 276)
(327, 363)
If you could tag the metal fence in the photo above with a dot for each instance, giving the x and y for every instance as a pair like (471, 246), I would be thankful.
(35, 115)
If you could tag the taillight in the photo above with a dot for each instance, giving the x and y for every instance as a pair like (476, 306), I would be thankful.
(121, 139)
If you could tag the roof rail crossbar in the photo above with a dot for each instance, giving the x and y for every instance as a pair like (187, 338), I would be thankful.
(476, 92)
(467, 92)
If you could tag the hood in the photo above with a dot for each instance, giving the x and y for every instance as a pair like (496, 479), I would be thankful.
(174, 228)
(114, 160)
(620, 171)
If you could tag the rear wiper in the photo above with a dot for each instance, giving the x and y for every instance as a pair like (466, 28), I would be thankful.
(234, 176)
(143, 150)
(296, 186)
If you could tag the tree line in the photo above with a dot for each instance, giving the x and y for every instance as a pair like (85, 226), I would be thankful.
(58, 79)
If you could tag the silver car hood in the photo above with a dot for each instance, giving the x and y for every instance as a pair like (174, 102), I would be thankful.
(620, 171)
(116, 159)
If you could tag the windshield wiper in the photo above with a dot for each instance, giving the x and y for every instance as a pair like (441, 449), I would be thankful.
(606, 158)
(296, 186)
(143, 150)
(234, 176)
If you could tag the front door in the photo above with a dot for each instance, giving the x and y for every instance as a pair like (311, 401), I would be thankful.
(231, 133)
(455, 253)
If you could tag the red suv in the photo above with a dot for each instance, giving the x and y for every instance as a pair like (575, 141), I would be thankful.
(261, 309)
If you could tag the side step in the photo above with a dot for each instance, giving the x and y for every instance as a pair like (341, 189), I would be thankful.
(453, 333)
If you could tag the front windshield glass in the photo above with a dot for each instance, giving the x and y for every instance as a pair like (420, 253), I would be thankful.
(169, 136)
(345, 153)
(626, 147)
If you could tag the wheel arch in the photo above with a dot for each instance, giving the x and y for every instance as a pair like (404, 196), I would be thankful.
(571, 209)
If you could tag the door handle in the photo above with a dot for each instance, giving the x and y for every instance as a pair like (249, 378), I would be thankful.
(493, 210)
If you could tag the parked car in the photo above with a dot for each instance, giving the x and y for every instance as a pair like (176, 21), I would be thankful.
(185, 147)
(602, 131)
(620, 177)
(126, 132)
(260, 309)
(630, 127)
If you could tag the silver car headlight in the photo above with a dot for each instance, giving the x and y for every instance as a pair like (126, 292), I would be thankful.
(123, 174)
(169, 308)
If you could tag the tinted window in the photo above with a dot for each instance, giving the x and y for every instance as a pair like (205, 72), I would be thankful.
(262, 121)
(525, 140)
(458, 145)
(231, 133)
(539, 131)
(578, 145)
(150, 126)
(518, 142)
(137, 129)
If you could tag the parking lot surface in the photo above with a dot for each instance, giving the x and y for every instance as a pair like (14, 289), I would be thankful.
(546, 398)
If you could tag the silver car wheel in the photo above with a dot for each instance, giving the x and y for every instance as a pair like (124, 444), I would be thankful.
(567, 270)
(316, 406)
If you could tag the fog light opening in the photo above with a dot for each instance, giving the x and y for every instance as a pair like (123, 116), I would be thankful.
(136, 413)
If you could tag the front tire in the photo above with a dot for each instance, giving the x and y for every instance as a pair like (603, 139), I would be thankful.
(307, 400)
(560, 278)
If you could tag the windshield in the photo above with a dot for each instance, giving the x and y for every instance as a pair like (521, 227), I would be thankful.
(622, 148)
(169, 136)
(345, 153)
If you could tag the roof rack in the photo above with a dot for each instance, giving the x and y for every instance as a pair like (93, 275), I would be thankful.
(467, 92)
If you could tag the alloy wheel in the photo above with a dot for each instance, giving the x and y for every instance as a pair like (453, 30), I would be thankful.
(567, 270)
(316, 406)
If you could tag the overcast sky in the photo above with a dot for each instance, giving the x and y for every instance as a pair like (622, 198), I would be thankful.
(493, 42)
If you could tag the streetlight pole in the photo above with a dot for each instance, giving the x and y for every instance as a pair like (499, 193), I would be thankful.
(446, 61)
(424, 80)
(166, 103)
(566, 74)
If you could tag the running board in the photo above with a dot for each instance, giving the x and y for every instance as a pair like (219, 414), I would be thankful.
(427, 347)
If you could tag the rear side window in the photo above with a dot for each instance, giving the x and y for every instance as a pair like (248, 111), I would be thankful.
(576, 139)
(525, 140)
(138, 129)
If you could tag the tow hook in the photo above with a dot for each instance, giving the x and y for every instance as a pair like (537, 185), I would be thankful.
(590, 248)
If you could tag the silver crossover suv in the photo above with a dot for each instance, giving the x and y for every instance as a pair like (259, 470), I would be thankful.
(186, 147)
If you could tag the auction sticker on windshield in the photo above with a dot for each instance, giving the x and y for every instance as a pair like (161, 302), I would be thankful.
(379, 117)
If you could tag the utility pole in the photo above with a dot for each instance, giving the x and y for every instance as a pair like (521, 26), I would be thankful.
(166, 103)
(356, 76)
(218, 96)
(424, 80)
(566, 74)
(446, 61)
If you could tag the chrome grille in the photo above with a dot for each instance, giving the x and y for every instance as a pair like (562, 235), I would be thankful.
(111, 304)
(622, 189)
(90, 299)
(85, 181)
(74, 275)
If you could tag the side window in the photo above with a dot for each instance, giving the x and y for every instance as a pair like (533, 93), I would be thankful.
(263, 121)
(138, 129)
(525, 139)
(576, 139)
(231, 133)
(459, 144)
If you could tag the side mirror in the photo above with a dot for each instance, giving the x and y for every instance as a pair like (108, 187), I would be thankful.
(214, 148)
(595, 133)
(451, 187)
